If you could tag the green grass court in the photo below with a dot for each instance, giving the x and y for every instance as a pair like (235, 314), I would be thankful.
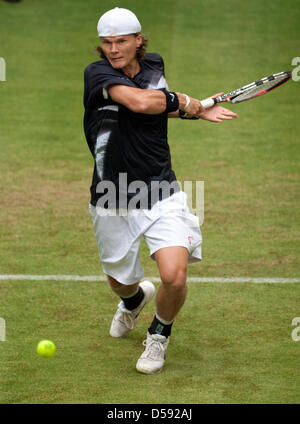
(231, 342)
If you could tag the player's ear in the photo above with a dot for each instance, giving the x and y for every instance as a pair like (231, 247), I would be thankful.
(139, 40)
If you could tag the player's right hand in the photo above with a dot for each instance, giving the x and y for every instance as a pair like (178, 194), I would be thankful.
(194, 109)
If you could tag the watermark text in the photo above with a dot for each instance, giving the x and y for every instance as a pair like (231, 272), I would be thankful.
(296, 331)
(120, 197)
(2, 330)
(296, 71)
(2, 69)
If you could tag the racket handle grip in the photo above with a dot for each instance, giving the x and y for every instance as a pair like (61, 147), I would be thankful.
(209, 102)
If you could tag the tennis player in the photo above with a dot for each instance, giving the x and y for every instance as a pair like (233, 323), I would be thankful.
(127, 105)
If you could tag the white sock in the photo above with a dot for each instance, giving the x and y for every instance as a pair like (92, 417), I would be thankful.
(163, 321)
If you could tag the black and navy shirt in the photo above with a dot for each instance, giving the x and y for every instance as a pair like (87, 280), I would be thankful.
(122, 141)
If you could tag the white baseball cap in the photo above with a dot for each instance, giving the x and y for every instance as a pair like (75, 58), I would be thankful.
(118, 21)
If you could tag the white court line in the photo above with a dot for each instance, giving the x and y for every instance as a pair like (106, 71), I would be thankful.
(102, 278)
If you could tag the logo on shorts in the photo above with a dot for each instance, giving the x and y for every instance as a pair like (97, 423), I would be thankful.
(190, 240)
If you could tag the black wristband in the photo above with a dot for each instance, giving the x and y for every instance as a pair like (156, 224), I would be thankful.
(171, 99)
(182, 115)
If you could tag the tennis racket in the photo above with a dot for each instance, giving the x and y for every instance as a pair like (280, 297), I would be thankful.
(250, 91)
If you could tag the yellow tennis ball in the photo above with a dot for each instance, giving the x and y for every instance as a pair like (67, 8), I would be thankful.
(46, 348)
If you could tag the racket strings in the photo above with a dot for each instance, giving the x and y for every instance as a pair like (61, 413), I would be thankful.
(258, 88)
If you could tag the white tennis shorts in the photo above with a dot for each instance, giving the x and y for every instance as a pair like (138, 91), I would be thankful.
(168, 223)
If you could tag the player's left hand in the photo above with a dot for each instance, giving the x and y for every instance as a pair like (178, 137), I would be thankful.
(217, 113)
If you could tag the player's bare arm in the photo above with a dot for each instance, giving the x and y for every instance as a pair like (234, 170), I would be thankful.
(138, 100)
(151, 101)
(154, 102)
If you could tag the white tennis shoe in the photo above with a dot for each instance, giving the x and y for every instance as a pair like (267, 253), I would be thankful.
(124, 320)
(153, 358)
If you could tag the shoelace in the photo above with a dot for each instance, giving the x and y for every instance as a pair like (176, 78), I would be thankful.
(154, 349)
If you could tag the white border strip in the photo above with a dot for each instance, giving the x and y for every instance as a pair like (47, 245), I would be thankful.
(154, 279)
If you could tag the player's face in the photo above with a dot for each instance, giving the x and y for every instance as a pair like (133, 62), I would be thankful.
(120, 51)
